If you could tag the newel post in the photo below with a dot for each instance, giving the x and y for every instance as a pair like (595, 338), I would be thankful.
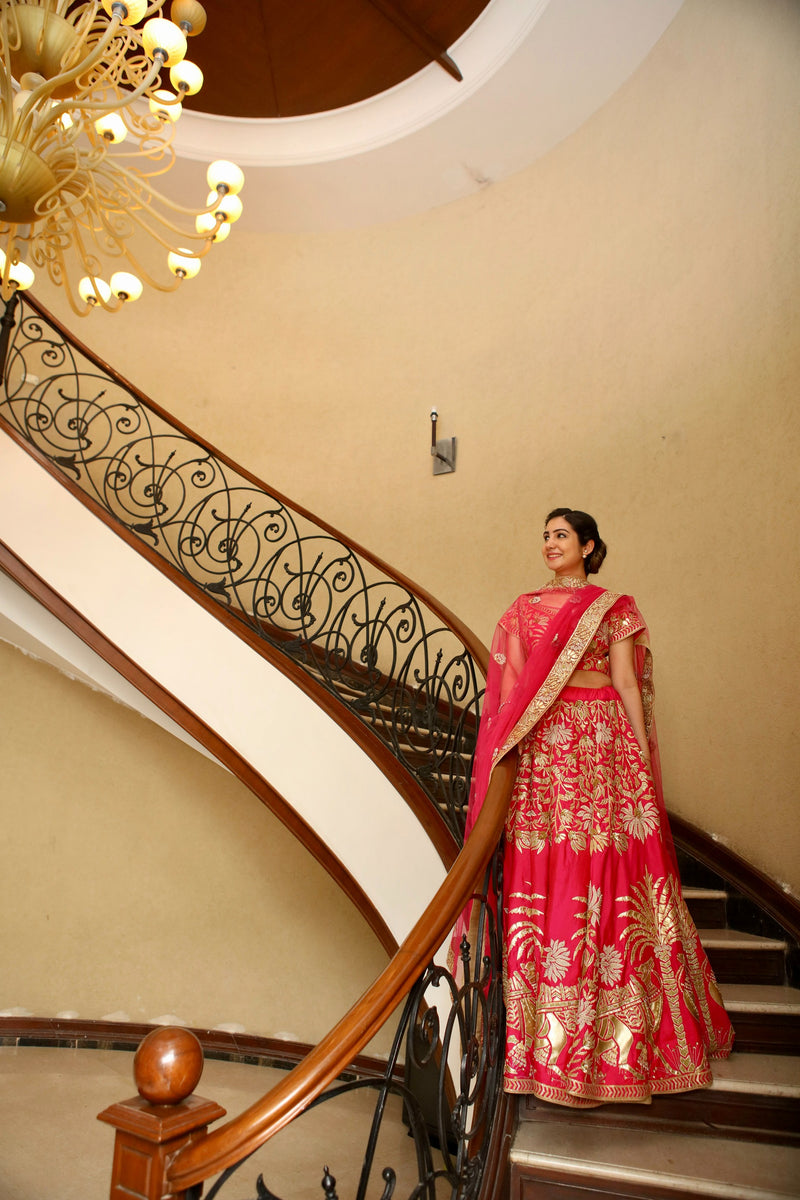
(164, 1117)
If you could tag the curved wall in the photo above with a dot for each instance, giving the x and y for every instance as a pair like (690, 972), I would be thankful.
(266, 719)
(141, 879)
(611, 328)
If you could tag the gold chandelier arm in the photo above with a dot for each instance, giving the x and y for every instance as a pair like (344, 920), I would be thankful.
(48, 86)
(135, 180)
(70, 106)
(143, 213)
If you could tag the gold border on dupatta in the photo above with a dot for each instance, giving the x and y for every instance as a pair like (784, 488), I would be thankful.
(646, 681)
(562, 669)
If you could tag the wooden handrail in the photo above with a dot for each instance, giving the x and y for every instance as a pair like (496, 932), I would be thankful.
(239, 1137)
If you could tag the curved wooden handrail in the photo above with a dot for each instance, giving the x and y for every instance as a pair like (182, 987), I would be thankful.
(245, 1133)
(763, 892)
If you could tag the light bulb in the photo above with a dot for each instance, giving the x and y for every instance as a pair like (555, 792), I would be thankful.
(225, 174)
(230, 206)
(18, 274)
(93, 290)
(190, 15)
(112, 127)
(128, 11)
(126, 286)
(186, 77)
(182, 264)
(208, 225)
(165, 40)
(165, 105)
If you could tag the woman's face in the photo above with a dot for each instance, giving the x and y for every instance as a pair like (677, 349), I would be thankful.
(561, 548)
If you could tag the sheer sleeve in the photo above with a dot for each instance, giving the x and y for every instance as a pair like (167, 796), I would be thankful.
(508, 657)
(624, 619)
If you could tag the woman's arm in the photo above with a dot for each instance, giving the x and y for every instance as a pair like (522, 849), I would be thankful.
(623, 677)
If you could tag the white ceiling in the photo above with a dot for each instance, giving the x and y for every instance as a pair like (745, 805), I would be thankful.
(534, 71)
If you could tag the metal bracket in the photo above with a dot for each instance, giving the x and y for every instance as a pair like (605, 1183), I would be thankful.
(444, 456)
(443, 451)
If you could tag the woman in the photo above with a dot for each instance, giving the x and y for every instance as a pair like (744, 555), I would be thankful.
(609, 995)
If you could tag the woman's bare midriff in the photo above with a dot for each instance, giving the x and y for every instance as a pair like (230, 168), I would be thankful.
(589, 679)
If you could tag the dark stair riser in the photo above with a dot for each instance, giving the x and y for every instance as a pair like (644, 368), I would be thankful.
(751, 1117)
(707, 912)
(766, 1033)
(757, 966)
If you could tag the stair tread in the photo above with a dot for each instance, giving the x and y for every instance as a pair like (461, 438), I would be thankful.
(734, 939)
(761, 997)
(758, 1074)
(702, 893)
(713, 1166)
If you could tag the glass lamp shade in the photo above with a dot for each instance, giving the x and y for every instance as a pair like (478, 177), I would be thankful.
(130, 11)
(182, 264)
(186, 77)
(112, 127)
(19, 275)
(214, 230)
(230, 206)
(165, 105)
(190, 15)
(93, 290)
(165, 39)
(225, 174)
(126, 286)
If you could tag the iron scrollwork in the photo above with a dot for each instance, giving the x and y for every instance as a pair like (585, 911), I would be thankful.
(363, 636)
(452, 1028)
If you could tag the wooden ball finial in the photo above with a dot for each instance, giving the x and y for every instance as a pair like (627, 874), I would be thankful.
(168, 1065)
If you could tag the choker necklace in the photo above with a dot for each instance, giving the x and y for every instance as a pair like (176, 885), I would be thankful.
(565, 582)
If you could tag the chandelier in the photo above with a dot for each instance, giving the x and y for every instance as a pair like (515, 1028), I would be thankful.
(86, 128)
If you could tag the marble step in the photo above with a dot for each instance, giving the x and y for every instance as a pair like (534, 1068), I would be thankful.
(755, 1096)
(766, 1018)
(744, 957)
(570, 1159)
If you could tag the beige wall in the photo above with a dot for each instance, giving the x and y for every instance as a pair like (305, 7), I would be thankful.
(614, 328)
(140, 877)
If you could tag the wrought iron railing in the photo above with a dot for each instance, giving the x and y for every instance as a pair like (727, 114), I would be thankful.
(397, 660)
(403, 666)
(461, 1126)
(451, 1036)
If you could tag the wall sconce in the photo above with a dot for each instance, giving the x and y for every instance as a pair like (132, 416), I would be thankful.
(443, 452)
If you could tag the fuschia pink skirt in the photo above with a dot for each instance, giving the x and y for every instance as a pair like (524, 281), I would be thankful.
(609, 995)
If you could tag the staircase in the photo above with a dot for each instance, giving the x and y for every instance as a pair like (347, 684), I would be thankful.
(739, 1139)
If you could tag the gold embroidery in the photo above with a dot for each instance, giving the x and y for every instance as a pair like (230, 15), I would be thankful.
(655, 927)
(561, 670)
(564, 583)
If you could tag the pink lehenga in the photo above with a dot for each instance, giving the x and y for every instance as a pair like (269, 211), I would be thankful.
(609, 994)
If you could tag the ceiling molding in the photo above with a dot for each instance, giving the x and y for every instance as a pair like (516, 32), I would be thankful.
(534, 72)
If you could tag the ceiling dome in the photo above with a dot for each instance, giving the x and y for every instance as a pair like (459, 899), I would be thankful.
(290, 58)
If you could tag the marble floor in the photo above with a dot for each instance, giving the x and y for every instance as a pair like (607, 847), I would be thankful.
(51, 1143)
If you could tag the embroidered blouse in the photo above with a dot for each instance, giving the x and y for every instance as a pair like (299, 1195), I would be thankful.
(529, 615)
